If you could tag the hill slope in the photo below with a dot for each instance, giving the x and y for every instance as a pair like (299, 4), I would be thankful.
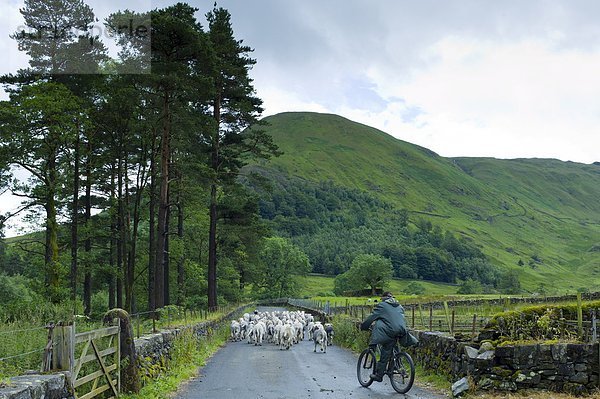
(542, 212)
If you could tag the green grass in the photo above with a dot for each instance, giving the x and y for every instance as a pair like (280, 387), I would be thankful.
(513, 209)
(321, 287)
(188, 355)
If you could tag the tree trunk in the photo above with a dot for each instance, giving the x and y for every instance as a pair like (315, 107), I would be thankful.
(159, 282)
(51, 253)
(133, 246)
(75, 222)
(87, 279)
(212, 250)
(167, 258)
(151, 227)
(129, 246)
(113, 244)
(180, 264)
(212, 233)
(120, 231)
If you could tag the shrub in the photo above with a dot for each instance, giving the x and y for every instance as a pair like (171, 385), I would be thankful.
(414, 288)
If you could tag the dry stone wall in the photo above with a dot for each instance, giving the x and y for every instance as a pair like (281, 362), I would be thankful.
(559, 367)
(49, 386)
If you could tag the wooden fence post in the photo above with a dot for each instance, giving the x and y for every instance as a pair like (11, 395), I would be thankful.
(47, 361)
(413, 317)
(118, 355)
(421, 317)
(579, 316)
(430, 317)
(63, 355)
(447, 311)
(594, 331)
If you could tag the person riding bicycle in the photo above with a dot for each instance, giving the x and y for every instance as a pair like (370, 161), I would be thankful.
(390, 323)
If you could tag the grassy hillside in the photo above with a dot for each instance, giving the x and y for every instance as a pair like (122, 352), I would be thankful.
(542, 212)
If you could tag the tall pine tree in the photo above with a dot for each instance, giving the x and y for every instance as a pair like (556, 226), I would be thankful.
(235, 107)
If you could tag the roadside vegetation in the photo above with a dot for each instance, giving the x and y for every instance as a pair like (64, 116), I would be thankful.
(188, 354)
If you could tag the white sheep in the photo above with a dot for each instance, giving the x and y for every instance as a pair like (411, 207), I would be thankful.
(260, 330)
(287, 337)
(235, 330)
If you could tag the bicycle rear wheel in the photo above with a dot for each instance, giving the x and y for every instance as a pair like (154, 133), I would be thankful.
(403, 373)
(365, 367)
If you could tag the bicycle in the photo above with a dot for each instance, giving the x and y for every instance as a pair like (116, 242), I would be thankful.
(400, 368)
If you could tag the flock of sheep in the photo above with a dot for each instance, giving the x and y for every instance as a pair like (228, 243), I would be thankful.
(282, 328)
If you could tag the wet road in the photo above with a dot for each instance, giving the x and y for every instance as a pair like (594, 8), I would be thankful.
(240, 371)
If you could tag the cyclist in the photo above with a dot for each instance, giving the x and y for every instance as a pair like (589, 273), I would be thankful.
(390, 323)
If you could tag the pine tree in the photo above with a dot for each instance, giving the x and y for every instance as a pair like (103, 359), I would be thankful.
(235, 107)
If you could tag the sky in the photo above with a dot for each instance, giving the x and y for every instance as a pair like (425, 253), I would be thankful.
(477, 78)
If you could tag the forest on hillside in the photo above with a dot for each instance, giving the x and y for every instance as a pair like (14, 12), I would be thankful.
(333, 225)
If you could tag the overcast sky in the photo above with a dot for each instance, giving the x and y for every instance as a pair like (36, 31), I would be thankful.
(505, 79)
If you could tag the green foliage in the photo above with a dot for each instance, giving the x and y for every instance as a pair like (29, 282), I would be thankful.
(281, 264)
(469, 287)
(509, 283)
(414, 288)
(367, 271)
(188, 354)
(540, 322)
(544, 207)
(348, 335)
(333, 225)
(16, 289)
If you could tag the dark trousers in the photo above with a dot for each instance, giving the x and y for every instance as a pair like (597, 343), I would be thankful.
(386, 349)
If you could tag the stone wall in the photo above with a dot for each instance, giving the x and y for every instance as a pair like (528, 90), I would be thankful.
(559, 367)
(154, 347)
(49, 386)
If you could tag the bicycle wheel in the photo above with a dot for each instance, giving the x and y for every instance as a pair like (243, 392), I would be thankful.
(365, 367)
(403, 372)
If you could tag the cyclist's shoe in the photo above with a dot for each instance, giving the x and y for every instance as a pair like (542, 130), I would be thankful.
(376, 377)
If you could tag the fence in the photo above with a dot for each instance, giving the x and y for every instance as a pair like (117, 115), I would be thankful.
(425, 317)
(21, 348)
(466, 319)
(26, 349)
(85, 378)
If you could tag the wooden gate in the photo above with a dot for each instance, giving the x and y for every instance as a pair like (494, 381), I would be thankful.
(102, 347)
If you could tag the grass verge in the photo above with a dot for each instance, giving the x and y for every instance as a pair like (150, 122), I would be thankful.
(188, 355)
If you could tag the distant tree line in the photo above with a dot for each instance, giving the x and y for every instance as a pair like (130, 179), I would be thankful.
(335, 226)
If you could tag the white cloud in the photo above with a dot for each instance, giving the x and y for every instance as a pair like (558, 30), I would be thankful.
(484, 98)
(10, 20)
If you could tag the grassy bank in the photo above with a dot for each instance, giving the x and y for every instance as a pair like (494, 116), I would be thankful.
(187, 356)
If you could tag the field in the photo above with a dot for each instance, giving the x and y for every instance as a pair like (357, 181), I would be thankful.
(322, 286)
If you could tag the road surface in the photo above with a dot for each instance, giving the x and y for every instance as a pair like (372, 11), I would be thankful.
(244, 371)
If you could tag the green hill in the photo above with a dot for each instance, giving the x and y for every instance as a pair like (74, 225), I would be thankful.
(541, 212)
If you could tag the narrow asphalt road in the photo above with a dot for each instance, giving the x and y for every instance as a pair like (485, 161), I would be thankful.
(243, 371)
